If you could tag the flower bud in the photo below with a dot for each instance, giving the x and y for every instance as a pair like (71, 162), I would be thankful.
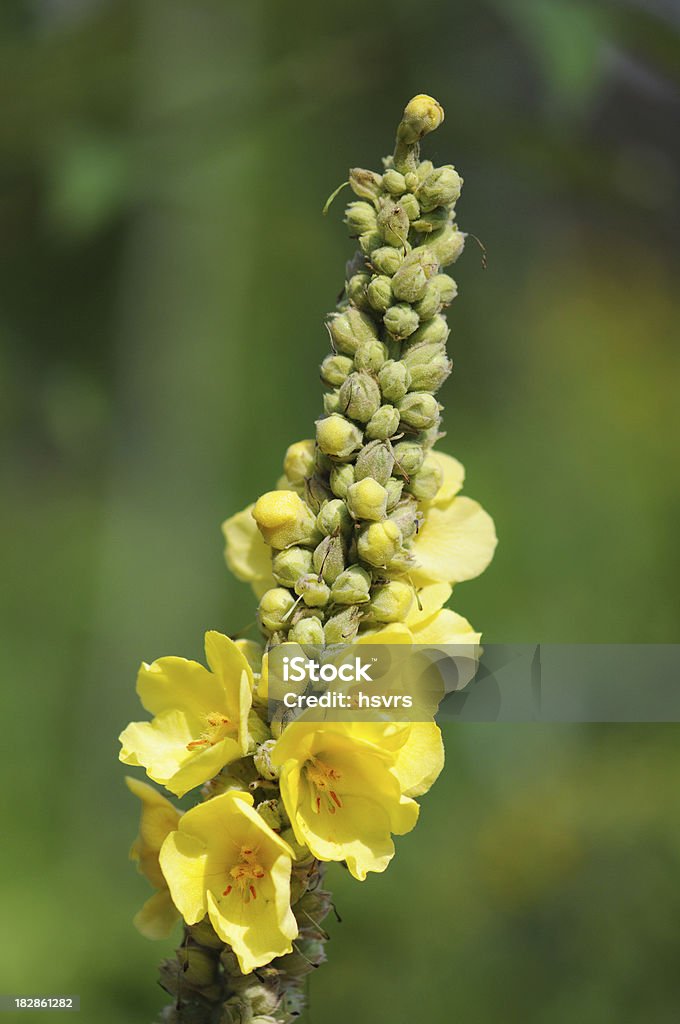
(424, 484)
(259, 997)
(421, 353)
(289, 565)
(334, 518)
(284, 519)
(275, 605)
(340, 479)
(366, 184)
(336, 436)
(329, 558)
(410, 206)
(370, 241)
(440, 188)
(394, 380)
(379, 542)
(360, 397)
(422, 115)
(387, 259)
(313, 591)
(448, 289)
(410, 281)
(370, 356)
(447, 244)
(316, 492)
(204, 934)
(383, 424)
(199, 967)
(271, 811)
(394, 182)
(401, 321)
(367, 499)
(352, 586)
(356, 290)
(393, 222)
(344, 626)
(394, 488)
(430, 303)
(402, 562)
(433, 331)
(331, 402)
(349, 329)
(406, 516)
(408, 457)
(430, 376)
(375, 460)
(391, 602)
(419, 410)
(438, 218)
(307, 631)
(379, 293)
(429, 437)
(298, 462)
(360, 217)
(334, 370)
(263, 760)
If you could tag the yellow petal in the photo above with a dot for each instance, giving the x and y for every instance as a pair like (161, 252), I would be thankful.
(445, 627)
(158, 916)
(170, 683)
(246, 553)
(395, 633)
(430, 600)
(456, 542)
(420, 760)
(453, 473)
(183, 860)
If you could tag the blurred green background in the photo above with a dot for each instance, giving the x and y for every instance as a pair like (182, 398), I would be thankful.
(165, 275)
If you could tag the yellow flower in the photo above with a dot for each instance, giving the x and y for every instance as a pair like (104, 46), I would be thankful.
(341, 796)
(201, 716)
(246, 553)
(457, 538)
(157, 917)
(417, 749)
(225, 861)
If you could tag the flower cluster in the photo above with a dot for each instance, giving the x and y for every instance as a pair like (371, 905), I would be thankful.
(361, 541)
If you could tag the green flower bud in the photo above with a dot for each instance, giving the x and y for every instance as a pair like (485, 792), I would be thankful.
(421, 353)
(275, 606)
(352, 586)
(429, 437)
(307, 631)
(401, 321)
(335, 369)
(375, 460)
(394, 380)
(410, 281)
(434, 331)
(383, 424)
(329, 558)
(334, 517)
(349, 329)
(387, 259)
(344, 626)
(367, 499)
(289, 565)
(336, 436)
(204, 934)
(424, 170)
(271, 811)
(394, 488)
(360, 397)
(430, 303)
(426, 482)
(394, 182)
(410, 206)
(366, 184)
(411, 181)
(408, 457)
(370, 356)
(379, 293)
(331, 402)
(391, 602)
(402, 562)
(313, 591)
(263, 760)
(447, 244)
(393, 222)
(316, 492)
(259, 997)
(284, 519)
(356, 290)
(369, 241)
(448, 289)
(379, 543)
(360, 217)
(298, 462)
(340, 479)
(432, 221)
(419, 410)
(440, 188)
(430, 376)
(199, 968)
(406, 516)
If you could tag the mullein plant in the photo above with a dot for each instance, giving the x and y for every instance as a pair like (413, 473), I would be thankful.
(361, 542)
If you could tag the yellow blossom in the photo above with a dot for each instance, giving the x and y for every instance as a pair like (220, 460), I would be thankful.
(224, 861)
(158, 916)
(201, 716)
(246, 553)
(341, 796)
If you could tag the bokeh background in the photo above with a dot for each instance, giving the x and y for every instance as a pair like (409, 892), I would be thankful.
(165, 274)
